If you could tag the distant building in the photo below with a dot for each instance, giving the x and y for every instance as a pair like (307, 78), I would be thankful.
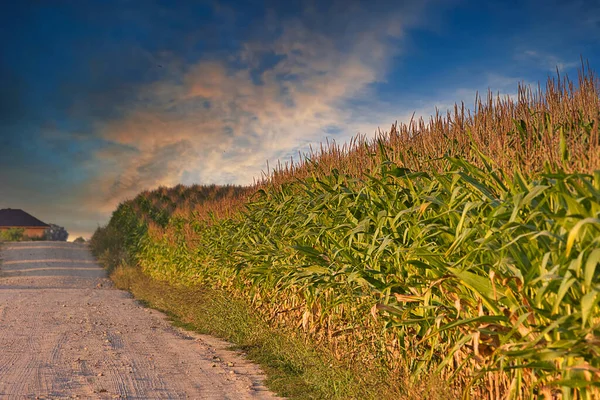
(14, 218)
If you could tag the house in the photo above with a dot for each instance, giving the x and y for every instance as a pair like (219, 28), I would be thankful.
(15, 218)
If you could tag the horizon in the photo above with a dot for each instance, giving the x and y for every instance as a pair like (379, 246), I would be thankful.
(103, 100)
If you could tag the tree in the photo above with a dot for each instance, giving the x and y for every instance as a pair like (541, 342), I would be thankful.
(56, 233)
(12, 235)
(79, 240)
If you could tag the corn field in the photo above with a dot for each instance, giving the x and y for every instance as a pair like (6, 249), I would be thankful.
(468, 247)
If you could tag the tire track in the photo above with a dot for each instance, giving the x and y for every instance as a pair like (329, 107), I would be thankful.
(65, 332)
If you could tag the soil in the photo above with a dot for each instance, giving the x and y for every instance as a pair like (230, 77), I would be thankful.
(66, 332)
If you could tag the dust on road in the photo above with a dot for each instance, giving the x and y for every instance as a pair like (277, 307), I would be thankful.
(65, 332)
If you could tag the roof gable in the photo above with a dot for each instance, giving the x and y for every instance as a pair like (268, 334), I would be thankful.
(19, 218)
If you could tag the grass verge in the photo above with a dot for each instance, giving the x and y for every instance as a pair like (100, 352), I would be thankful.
(294, 368)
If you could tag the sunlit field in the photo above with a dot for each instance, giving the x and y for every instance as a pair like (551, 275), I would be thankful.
(463, 249)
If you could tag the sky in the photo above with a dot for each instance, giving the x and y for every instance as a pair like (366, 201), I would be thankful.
(100, 100)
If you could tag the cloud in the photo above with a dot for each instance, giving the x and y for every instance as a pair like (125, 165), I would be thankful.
(221, 119)
(547, 61)
(201, 93)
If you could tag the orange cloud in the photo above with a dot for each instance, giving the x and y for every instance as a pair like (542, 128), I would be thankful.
(219, 124)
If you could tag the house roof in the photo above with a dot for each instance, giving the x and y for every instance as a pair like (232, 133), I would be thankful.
(19, 218)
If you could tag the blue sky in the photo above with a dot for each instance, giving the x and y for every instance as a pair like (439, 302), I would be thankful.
(102, 99)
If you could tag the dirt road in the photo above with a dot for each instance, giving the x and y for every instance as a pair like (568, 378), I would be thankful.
(65, 332)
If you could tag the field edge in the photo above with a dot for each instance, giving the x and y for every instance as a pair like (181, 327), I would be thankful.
(293, 368)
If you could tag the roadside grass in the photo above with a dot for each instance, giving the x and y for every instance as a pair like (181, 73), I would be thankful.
(294, 368)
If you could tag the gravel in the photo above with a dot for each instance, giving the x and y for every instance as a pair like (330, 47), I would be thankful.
(66, 332)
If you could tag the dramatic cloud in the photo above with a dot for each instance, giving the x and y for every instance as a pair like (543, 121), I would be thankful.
(221, 120)
(100, 100)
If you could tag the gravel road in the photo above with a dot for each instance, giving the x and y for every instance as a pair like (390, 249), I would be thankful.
(65, 332)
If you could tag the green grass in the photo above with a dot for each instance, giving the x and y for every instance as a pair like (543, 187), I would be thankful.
(294, 368)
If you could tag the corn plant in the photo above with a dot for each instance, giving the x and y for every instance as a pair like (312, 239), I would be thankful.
(468, 247)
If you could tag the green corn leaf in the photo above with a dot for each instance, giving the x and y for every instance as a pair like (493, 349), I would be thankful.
(590, 267)
(574, 232)
(588, 304)
(482, 286)
(565, 285)
(469, 321)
